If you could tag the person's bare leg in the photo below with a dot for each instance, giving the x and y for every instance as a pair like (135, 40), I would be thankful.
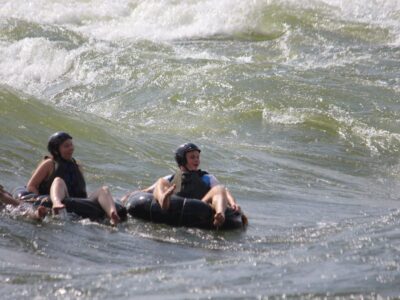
(163, 192)
(219, 206)
(106, 202)
(217, 198)
(125, 198)
(58, 191)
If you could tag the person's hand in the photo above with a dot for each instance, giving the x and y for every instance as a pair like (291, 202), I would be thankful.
(236, 207)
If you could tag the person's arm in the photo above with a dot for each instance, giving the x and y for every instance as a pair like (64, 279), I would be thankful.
(149, 189)
(42, 172)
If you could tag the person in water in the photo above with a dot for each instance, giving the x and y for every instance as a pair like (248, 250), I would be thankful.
(191, 182)
(60, 176)
(24, 208)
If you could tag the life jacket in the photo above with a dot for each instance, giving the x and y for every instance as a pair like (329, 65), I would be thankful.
(69, 171)
(190, 184)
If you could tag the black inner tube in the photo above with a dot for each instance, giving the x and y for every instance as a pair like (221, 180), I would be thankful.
(181, 212)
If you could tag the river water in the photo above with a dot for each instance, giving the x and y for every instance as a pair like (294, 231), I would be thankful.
(295, 105)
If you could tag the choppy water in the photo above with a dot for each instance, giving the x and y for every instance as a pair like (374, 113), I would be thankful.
(295, 104)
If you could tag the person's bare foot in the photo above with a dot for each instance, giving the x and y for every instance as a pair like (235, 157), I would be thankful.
(41, 212)
(114, 218)
(58, 208)
(219, 219)
(166, 197)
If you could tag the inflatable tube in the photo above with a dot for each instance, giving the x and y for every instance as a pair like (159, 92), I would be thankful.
(182, 212)
(84, 208)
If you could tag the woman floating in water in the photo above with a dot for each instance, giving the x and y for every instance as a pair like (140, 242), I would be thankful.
(60, 176)
(191, 182)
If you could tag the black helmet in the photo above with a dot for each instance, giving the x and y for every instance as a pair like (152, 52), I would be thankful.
(180, 153)
(55, 140)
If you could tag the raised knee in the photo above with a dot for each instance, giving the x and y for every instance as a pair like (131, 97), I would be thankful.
(58, 181)
(162, 182)
(105, 189)
(219, 189)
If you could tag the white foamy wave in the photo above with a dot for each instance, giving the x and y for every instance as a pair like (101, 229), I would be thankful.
(154, 20)
(33, 63)
(184, 53)
(381, 13)
(380, 10)
(377, 139)
(290, 117)
(167, 19)
(357, 10)
(76, 13)
(191, 53)
(340, 122)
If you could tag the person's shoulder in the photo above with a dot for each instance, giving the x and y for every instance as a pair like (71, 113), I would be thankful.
(209, 175)
(46, 166)
(213, 181)
(47, 162)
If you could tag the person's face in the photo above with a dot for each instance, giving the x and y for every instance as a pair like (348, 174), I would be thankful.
(66, 149)
(193, 160)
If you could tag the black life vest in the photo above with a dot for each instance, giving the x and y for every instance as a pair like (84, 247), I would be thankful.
(190, 184)
(69, 171)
